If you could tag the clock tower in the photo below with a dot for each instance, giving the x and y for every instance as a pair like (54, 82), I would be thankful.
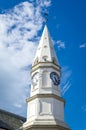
(45, 107)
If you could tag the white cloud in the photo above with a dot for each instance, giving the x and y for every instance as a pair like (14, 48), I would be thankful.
(44, 3)
(82, 45)
(19, 29)
(60, 44)
(66, 80)
(47, 3)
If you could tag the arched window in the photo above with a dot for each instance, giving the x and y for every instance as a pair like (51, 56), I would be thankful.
(45, 58)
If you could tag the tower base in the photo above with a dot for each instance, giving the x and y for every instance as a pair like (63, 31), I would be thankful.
(45, 125)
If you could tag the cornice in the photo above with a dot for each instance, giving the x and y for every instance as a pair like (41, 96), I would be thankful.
(46, 65)
(45, 96)
(39, 127)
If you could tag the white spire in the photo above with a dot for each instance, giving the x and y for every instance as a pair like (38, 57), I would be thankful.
(45, 51)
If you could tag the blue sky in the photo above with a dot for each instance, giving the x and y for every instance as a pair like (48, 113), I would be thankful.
(18, 43)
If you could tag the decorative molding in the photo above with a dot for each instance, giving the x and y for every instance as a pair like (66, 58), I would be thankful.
(46, 65)
(45, 96)
(44, 127)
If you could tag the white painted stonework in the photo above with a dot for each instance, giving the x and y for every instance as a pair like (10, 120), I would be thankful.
(44, 84)
(45, 51)
(45, 107)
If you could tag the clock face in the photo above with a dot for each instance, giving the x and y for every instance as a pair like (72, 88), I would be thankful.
(35, 79)
(55, 78)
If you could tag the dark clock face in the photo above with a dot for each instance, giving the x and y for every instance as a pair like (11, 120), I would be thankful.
(55, 78)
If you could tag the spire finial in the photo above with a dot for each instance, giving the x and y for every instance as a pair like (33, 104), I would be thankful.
(46, 16)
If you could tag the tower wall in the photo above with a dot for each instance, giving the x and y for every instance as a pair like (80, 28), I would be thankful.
(45, 107)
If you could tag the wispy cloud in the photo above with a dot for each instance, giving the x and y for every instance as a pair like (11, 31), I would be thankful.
(66, 80)
(19, 29)
(60, 44)
(82, 45)
(17, 105)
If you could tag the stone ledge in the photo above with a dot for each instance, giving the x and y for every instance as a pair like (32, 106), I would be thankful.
(46, 125)
(45, 96)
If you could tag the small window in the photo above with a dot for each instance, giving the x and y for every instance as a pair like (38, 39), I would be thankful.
(36, 61)
(54, 60)
(45, 58)
(45, 46)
